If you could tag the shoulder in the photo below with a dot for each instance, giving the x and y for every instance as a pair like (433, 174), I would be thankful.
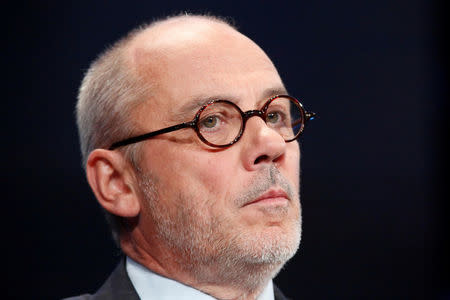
(117, 286)
(279, 294)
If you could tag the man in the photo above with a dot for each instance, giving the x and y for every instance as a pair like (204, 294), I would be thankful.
(208, 207)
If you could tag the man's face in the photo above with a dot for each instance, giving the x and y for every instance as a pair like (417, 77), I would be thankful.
(238, 205)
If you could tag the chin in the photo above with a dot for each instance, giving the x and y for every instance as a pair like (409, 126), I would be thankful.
(274, 244)
(259, 253)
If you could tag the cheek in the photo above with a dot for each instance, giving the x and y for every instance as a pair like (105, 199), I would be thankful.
(198, 175)
(214, 176)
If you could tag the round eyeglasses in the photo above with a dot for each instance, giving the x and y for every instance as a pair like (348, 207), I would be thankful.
(221, 123)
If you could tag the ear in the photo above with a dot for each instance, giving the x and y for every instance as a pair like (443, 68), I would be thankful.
(111, 179)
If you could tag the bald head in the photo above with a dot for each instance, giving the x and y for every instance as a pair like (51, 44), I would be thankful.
(190, 43)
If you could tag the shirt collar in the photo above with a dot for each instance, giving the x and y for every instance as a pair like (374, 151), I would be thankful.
(150, 285)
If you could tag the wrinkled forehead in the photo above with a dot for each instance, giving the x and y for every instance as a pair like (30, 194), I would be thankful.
(185, 62)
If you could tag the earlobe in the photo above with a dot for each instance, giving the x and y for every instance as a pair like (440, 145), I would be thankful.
(110, 178)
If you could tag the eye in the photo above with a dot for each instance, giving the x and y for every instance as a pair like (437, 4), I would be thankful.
(209, 122)
(273, 117)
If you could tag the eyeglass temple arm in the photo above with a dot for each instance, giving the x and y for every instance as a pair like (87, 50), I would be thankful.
(309, 115)
(146, 136)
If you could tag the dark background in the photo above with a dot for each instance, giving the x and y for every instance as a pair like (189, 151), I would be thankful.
(374, 162)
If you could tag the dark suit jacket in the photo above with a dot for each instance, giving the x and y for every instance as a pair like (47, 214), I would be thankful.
(119, 287)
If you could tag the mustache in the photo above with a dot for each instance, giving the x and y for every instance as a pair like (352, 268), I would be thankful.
(270, 177)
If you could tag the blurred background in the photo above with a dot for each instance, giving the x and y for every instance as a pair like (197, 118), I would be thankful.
(374, 162)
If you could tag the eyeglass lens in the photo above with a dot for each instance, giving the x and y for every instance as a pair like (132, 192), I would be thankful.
(220, 123)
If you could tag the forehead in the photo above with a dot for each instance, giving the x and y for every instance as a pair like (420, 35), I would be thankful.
(195, 61)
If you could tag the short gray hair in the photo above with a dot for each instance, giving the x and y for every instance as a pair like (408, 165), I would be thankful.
(110, 91)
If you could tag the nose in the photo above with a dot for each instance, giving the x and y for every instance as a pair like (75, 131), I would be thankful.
(261, 145)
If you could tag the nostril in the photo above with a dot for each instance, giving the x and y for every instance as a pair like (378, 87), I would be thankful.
(261, 158)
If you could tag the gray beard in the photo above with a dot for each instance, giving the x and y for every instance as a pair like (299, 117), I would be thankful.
(209, 248)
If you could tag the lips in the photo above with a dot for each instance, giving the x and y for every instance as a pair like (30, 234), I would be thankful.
(271, 197)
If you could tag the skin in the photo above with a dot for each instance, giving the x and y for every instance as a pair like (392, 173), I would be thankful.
(183, 181)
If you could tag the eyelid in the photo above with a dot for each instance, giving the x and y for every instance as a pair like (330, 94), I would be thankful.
(197, 103)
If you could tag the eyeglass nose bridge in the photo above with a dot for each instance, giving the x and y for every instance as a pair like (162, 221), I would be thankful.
(252, 113)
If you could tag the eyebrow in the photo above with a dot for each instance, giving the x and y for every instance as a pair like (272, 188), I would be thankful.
(196, 102)
(268, 93)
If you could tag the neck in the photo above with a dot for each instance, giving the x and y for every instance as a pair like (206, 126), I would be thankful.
(222, 281)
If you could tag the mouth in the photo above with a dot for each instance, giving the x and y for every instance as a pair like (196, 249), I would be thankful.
(272, 197)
